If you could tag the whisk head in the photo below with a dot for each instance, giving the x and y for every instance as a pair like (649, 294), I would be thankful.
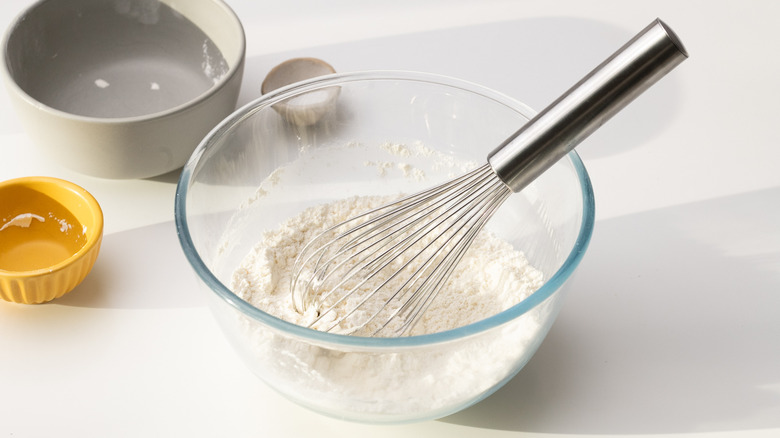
(377, 273)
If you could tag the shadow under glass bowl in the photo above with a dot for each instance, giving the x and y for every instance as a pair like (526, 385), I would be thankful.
(255, 170)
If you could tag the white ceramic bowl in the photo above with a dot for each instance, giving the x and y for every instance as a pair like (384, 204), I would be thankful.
(123, 89)
(256, 170)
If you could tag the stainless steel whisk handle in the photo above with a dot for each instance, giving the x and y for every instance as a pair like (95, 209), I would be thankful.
(557, 129)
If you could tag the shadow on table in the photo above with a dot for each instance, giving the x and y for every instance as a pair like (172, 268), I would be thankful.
(672, 326)
(140, 268)
(533, 60)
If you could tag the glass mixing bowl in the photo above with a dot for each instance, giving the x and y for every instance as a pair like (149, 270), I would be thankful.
(261, 166)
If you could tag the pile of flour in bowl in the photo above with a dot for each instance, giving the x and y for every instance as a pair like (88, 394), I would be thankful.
(492, 276)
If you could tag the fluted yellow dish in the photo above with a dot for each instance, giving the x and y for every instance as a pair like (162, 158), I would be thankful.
(50, 235)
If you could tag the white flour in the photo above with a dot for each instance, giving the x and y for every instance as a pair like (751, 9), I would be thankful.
(492, 276)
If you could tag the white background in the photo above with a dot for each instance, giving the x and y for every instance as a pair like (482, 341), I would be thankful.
(673, 326)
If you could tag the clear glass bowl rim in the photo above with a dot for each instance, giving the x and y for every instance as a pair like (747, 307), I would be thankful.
(223, 292)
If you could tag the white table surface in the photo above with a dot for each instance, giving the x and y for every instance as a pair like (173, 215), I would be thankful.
(673, 326)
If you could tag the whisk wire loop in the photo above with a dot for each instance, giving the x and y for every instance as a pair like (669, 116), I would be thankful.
(314, 250)
(409, 247)
(412, 310)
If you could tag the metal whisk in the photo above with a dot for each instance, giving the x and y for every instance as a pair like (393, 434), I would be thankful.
(378, 273)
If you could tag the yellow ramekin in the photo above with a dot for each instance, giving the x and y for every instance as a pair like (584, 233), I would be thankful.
(50, 235)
